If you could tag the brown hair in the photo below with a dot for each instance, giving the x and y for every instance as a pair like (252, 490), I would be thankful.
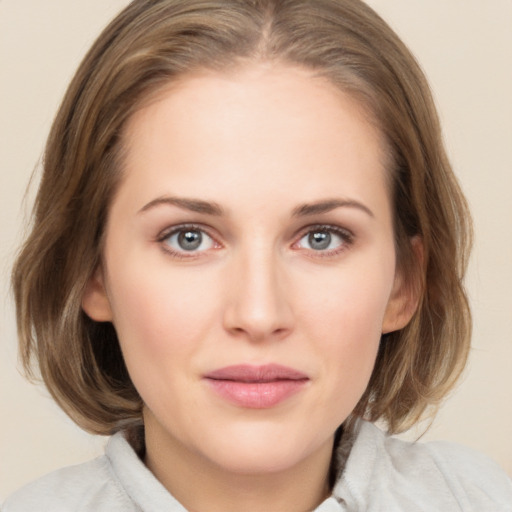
(153, 42)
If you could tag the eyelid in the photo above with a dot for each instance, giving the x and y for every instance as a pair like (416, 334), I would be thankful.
(319, 226)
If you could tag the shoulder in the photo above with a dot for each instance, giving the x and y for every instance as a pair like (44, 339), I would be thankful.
(86, 487)
(422, 476)
(115, 482)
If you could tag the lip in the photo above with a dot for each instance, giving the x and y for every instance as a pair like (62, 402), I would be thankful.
(256, 387)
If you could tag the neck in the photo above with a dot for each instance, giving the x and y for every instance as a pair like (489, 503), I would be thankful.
(202, 485)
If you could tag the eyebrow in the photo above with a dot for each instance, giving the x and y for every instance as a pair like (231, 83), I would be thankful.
(212, 208)
(194, 205)
(328, 205)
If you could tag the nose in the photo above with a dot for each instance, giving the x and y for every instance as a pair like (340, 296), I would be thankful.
(258, 307)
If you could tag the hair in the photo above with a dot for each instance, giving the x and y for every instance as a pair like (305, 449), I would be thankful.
(146, 47)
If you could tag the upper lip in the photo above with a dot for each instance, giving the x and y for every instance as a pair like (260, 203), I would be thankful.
(251, 373)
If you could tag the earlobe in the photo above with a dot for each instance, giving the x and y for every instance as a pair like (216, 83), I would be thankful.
(401, 307)
(95, 301)
(406, 293)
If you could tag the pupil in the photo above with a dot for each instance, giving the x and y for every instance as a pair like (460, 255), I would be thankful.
(190, 240)
(319, 240)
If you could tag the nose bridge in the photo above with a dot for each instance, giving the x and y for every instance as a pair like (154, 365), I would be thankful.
(259, 304)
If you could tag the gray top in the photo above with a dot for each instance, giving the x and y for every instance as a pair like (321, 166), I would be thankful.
(381, 474)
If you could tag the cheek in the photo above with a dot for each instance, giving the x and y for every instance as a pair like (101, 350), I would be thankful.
(162, 324)
(345, 323)
(351, 301)
(350, 336)
(159, 314)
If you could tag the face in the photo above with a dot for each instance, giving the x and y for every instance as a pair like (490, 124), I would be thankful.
(249, 265)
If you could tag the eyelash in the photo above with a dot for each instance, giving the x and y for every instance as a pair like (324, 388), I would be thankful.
(346, 236)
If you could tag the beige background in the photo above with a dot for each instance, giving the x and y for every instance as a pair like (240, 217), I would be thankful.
(465, 46)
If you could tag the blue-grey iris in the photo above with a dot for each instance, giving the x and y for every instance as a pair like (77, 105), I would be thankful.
(319, 240)
(190, 240)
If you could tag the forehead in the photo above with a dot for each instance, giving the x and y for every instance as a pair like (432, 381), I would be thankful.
(265, 121)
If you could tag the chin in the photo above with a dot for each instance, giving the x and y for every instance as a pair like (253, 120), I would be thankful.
(261, 449)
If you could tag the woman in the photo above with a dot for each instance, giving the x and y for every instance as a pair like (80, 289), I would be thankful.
(248, 247)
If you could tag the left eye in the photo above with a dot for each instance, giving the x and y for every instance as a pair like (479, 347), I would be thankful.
(323, 239)
(189, 240)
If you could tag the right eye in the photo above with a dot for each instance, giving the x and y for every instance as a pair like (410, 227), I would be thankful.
(187, 239)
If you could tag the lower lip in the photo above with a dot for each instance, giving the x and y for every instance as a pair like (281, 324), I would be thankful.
(257, 395)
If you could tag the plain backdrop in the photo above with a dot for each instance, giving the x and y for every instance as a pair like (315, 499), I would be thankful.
(465, 47)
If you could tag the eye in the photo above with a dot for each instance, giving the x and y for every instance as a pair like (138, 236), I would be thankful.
(187, 239)
(328, 239)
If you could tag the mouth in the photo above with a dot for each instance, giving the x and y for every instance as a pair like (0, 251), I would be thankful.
(256, 387)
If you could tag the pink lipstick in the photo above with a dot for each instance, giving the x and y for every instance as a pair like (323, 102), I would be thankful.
(256, 387)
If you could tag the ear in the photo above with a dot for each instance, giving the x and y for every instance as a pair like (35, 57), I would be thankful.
(95, 300)
(405, 296)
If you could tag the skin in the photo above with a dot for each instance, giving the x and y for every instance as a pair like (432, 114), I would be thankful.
(258, 144)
